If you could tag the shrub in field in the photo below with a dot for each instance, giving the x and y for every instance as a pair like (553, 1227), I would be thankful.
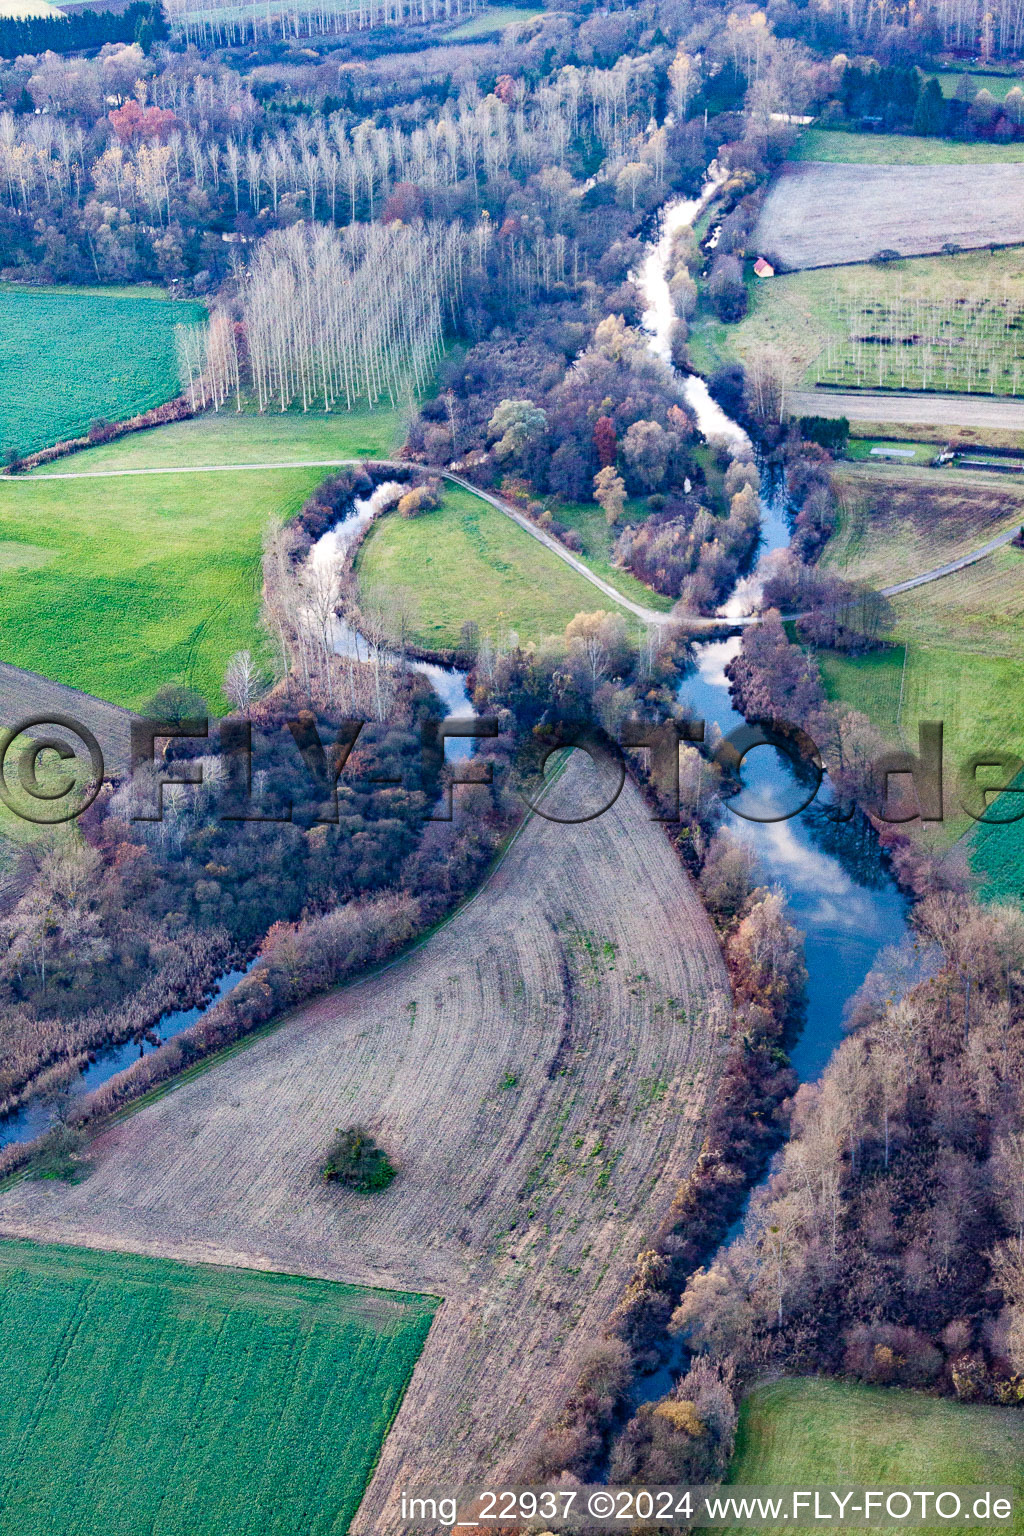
(422, 498)
(57, 1154)
(356, 1161)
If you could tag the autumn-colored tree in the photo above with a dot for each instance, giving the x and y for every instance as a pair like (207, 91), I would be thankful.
(610, 493)
(133, 121)
(605, 441)
(404, 204)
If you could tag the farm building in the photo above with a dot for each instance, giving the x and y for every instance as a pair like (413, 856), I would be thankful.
(763, 268)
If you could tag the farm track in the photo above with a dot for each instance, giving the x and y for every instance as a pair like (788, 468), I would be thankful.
(907, 409)
(540, 1071)
(952, 566)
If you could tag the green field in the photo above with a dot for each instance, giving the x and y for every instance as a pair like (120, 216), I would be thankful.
(898, 149)
(809, 318)
(68, 356)
(996, 85)
(598, 541)
(152, 579)
(815, 1432)
(490, 21)
(997, 851)
(870, 684)
(468, 562)
(182, 1400)
(963, 635)
(860, 449)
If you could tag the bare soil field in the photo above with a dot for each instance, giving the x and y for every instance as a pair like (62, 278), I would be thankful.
(825, 215)
(539, 1073)
(27, 694)
(898, 523)
(909, 410)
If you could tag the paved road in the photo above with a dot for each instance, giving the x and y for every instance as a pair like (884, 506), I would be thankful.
(645, 615)
(911, 409)
(954, 565)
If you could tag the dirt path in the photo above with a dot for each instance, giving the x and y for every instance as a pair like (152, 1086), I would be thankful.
(539, 1071)
(911, 409)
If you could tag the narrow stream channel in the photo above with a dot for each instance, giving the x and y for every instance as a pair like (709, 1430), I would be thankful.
(329, 551)
(838, 889)
(36, 1116)
(833, 876)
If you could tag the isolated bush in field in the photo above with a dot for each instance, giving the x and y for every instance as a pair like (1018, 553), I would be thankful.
(57, 1156)
(356, 1161)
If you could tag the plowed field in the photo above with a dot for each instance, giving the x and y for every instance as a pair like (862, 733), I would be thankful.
(539, 1072)
(822, 215)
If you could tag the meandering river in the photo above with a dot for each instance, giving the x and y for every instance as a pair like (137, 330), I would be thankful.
(837, 887)
(832, 873)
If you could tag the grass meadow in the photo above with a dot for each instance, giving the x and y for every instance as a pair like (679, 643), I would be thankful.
(962, 635)
(182, 1400)
(70, 355)
(836, 147)
(871, 684)
(815, 1432)
(598, 541)
(116, 585)
(467, 561)
(490, 21)
(998, 86)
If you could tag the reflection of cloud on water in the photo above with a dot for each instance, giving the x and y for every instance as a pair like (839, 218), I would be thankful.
(714, 657)
(817, 885)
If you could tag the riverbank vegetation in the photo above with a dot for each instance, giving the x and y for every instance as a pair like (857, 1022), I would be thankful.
(114, 1335)
(517, 180)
